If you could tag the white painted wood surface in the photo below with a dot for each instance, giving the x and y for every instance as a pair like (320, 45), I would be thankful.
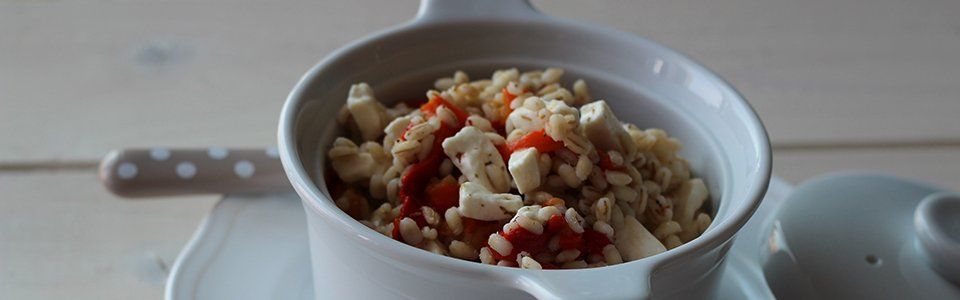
(62, 236)
(849, 84)
(214, 73)
(939, 166)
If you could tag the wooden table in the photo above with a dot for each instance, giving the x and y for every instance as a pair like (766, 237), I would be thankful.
(869, 85)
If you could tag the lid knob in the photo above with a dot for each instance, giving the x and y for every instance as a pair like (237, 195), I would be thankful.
(937, 224)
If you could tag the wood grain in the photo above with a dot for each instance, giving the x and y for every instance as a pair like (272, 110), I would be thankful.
(818, 72)
(77, 79)
(939, 165)
(63, 236)
(841, 85)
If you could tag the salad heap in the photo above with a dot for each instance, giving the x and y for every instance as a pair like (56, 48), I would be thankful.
(516, 170)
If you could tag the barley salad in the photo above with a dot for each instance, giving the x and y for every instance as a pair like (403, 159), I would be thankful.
(516, 170)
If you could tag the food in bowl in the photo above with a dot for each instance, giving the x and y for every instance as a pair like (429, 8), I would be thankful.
(516, 170)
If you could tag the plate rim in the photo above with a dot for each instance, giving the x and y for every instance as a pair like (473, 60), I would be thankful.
(212, 229)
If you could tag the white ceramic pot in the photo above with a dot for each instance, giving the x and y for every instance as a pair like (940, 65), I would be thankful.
(646, 83)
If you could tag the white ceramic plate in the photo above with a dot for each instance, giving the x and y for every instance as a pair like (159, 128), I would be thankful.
(255, 247)
(248, 247)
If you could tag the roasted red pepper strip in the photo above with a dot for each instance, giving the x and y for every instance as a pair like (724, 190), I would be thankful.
(476, 232)
(594, 241)
(504, 152)
(556, 223)
(606, 163)
(554, 202)
(444, 194)
(414, 182)
(499, 126)
(523, 240)
(570, 240)
(395, 234)
(430, 109)
(589, 242)
(507, 99)
(537, 139)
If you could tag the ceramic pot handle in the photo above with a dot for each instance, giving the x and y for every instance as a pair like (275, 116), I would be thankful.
(440, 10)
(163, 172)
(625, 283)
(938, 229)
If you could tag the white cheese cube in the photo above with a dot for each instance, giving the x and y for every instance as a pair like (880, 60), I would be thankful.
(603, 129)
(635, 242)
(525, 168)
(476, 202)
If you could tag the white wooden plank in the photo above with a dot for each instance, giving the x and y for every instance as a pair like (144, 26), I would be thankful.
(63, 236)
(77, 79)
(939, 166)
(818, 72)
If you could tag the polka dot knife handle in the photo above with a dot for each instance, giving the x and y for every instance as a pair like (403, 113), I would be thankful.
(165, 172)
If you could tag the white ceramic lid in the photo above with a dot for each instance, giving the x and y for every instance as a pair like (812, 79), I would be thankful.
(863, 236)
